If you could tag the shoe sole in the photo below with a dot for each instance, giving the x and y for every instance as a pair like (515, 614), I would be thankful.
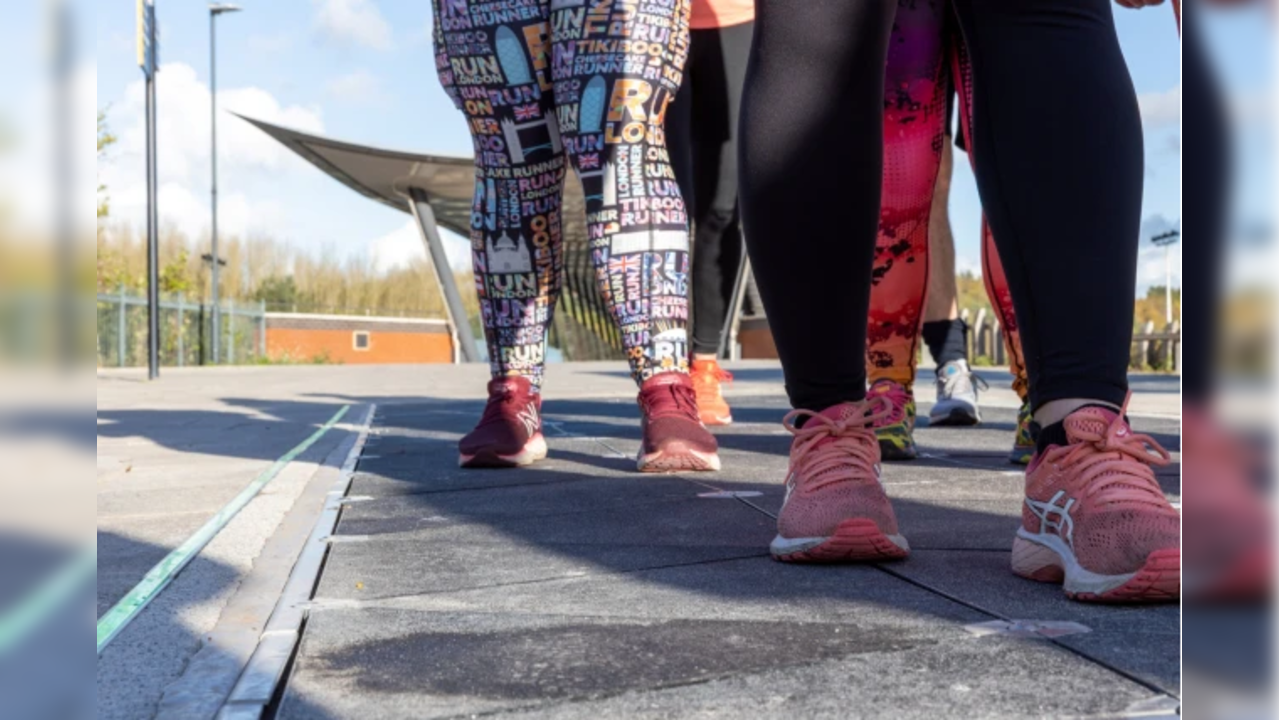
(888, 450)
(1021, 456)
(854, 540)
(534, 450)
(957, 417)
(716, 420)
(1048, 559)
(675, 457)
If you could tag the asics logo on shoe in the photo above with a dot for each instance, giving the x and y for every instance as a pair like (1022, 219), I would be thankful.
(1064, 521)
(790, 487)
(528, 416)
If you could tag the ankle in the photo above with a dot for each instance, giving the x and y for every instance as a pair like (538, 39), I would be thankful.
(1054, 411)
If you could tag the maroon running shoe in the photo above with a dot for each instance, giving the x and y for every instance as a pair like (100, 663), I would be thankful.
(674, 437)
(510, 431)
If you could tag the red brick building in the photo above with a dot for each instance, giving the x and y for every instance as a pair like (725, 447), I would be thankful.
(356, 339)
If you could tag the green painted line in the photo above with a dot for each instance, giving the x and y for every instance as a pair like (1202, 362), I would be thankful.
(159, 576)
(16, 624)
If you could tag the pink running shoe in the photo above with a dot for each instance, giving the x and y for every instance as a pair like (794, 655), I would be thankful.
(510, 431)
(1094, 517)
(835, 508)
(1228, 526)
(674, 437)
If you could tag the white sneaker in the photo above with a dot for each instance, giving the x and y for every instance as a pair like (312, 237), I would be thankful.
(956, 395)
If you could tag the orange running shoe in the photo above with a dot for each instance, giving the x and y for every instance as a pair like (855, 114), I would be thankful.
(1094, 517)
(835, 508)
(711, 406)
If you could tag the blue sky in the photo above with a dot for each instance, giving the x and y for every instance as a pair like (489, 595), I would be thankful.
(361, 70)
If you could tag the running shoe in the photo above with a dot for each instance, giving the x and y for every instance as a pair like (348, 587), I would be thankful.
(1094, 517)
(835, 509)
(1024, 439)
(674, 437)
(711, 406)
(510, 431)
(1226, 516)
(895, 429)
(956, 395)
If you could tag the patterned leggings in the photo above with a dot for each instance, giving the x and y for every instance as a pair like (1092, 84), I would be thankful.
(542, 81)
(926, 51)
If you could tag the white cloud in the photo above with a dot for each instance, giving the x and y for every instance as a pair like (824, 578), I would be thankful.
(245, 154)
(355, 22)
(1150, 267)
(358, 87)
(1160, 109)
(404, 245)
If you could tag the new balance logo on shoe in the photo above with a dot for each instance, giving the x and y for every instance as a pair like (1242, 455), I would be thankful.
(528, 416)
(1064, 525)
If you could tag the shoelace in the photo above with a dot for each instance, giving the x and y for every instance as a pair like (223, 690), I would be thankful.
(850, 443)
(1105, 462)
(504, 396)
(684, 405)
(896, 396)
(715, 374)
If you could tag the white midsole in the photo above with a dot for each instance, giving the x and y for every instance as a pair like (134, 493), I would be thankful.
(1078, 578)
(789, 546)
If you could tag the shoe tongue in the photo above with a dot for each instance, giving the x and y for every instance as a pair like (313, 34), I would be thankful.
(666, 378)
(844, 411)
(1091, 421)
(509, 385)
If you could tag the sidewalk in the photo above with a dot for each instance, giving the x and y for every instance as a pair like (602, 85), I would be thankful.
(580, 589)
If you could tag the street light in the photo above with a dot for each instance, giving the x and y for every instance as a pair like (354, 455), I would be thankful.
(1166, 241)
(215, 9)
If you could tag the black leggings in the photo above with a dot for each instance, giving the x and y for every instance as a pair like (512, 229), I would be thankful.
(701, 134)
(1059, 163)
(1206, 169)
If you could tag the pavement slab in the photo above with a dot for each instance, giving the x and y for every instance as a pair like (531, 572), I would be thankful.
(580, 589)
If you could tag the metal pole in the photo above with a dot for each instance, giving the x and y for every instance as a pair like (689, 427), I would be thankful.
(425, 217)
(230, 334)
(123, 329)
(213, 157)
(64, 179)
(1167, 285)
(181, 332)
(262, 336)
(153, 233)
(733, 314)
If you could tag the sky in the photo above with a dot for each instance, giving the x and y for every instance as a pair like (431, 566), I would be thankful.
(362, 71)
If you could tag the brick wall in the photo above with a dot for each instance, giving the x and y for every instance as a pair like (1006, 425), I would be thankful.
(357, 340)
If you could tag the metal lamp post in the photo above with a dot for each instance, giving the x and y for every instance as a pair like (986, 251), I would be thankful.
(215, 9)
(1166, 241)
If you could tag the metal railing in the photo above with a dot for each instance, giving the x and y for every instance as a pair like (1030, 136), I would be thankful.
(185, 331)
(1152, 348)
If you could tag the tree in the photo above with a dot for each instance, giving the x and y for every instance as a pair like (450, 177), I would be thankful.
(277, 292)
(105, 141)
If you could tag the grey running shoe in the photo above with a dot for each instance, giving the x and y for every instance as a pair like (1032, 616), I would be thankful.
(956, 395)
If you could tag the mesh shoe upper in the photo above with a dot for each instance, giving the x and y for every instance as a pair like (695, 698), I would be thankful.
(834, 471)
(1099, 494)
(668, 404)
(957, 385)
(707, 376)
(512, 416)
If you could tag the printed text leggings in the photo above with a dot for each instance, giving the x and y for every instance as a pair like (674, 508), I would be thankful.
(542, 81)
